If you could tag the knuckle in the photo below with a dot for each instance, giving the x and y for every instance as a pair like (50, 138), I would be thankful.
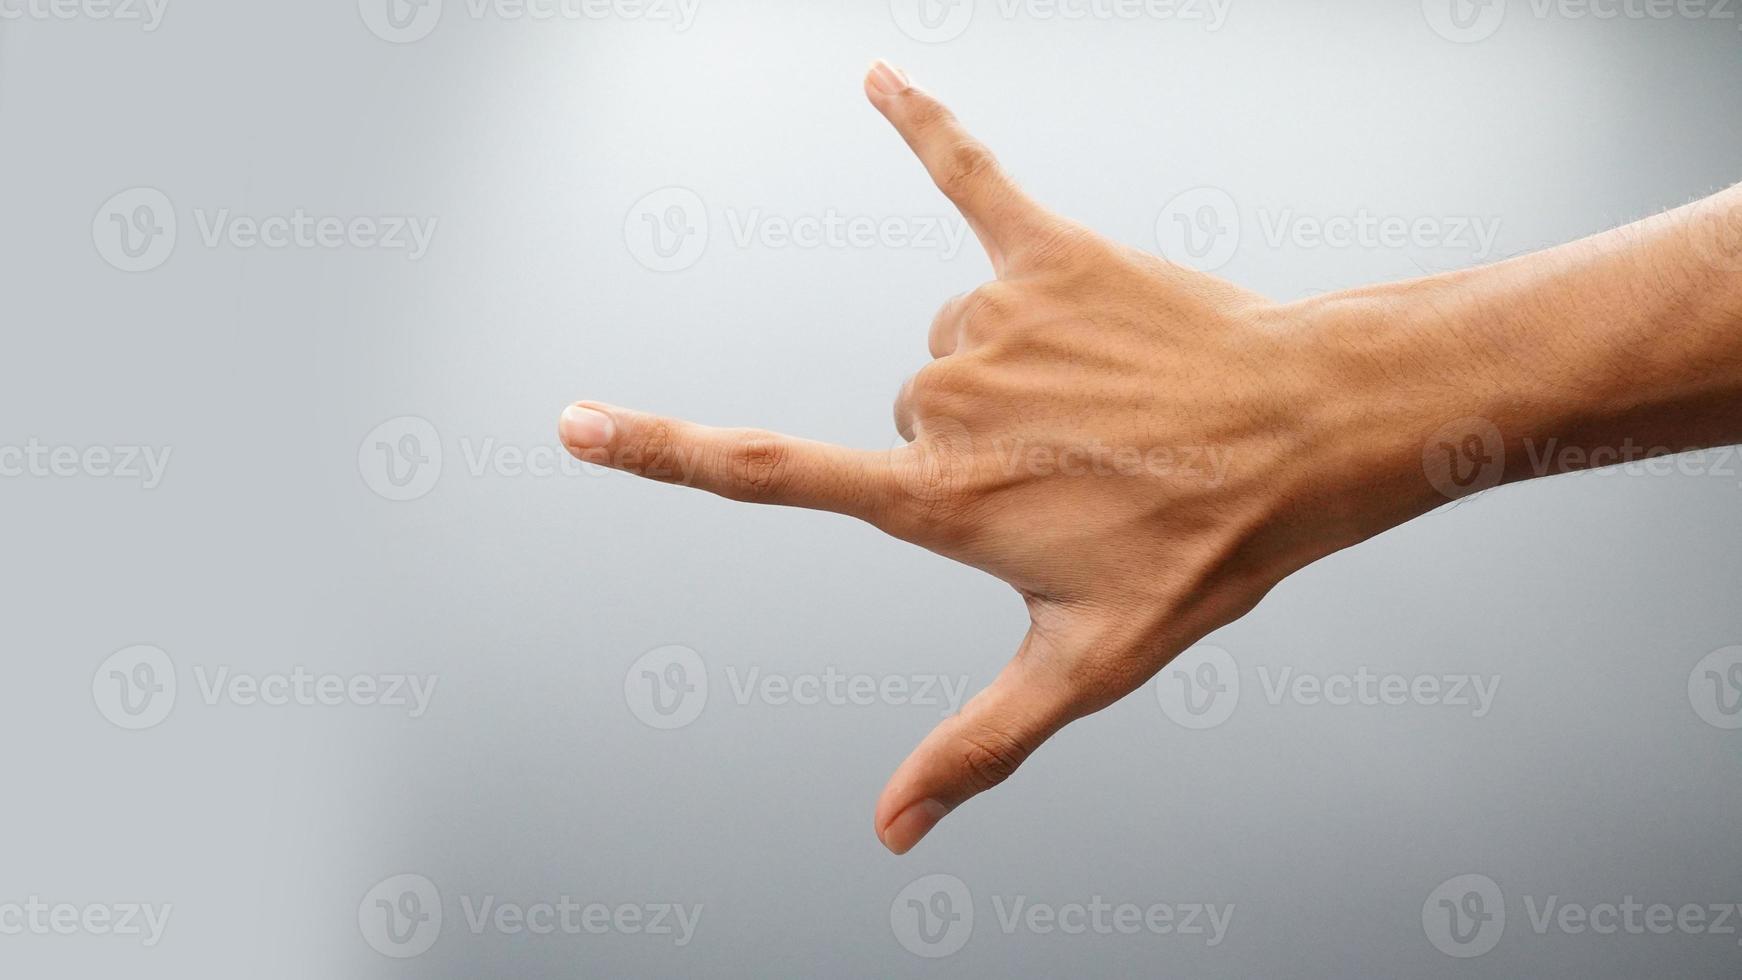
(990, 308)
(947, 324)
(758, 466)
(903, 412)
(989, 756)
(967, 163)
(939, 388)
(924, 384)
(927, 481)
(928, 114)
(1099, 683)
(1062, 244)
(932, 505)
(904, 396)
(656, 451)
(941, 377)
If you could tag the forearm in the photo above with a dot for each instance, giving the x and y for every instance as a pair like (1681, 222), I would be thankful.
(1634, 335)
(1592, 353)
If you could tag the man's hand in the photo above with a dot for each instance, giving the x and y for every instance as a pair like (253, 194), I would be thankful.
(1140, 450)
(1110, 434)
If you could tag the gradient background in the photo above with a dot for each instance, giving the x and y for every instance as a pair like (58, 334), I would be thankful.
(533, 143)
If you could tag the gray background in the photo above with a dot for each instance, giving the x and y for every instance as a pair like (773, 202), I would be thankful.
(265, 547)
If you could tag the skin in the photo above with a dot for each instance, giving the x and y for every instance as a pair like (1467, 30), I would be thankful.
(1143, 451)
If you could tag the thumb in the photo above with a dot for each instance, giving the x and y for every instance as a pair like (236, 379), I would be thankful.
(980, 747)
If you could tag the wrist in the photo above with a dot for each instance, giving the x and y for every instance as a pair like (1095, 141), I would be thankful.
(1391, 383)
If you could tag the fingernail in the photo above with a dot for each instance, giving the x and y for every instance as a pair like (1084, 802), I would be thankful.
(913, 823)
(887, 78)
(584, 428)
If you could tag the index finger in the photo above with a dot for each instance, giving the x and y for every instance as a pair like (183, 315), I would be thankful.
(1002, 215)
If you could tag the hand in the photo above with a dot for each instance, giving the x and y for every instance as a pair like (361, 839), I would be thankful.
(1141, 451)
